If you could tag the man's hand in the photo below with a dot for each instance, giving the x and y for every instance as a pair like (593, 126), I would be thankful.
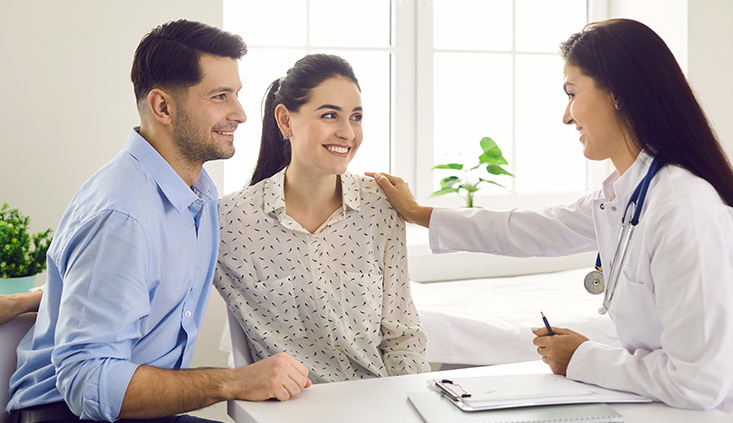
(280, 376)
(154, 392)
(558, 349)
(402, 200)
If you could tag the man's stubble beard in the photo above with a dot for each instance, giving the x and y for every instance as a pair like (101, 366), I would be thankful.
(196, 145)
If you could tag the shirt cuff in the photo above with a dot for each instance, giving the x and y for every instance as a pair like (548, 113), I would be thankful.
(434, 229)
(103, 395)
(579, 360)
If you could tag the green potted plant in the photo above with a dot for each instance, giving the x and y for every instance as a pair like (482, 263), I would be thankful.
(22, 255)
(469, 180)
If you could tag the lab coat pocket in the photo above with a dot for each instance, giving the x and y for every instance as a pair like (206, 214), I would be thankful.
(277, 300)
(361, 302)
(630, 275)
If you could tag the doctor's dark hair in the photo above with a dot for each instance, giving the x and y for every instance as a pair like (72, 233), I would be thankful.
(293, 90)
(657, 106)
(168, 56)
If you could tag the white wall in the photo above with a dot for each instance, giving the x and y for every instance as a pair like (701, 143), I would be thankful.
(700, 34)
(710, 65)
(67, 104)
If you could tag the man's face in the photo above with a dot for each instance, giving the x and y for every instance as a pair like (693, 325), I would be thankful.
(208, 113)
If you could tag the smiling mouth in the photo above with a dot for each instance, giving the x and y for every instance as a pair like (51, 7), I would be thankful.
(225, 133)
(337, 149)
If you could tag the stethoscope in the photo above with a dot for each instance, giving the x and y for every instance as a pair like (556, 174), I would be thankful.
(594, 281)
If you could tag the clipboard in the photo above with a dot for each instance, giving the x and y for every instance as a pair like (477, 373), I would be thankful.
(515, 391)
(433, 407)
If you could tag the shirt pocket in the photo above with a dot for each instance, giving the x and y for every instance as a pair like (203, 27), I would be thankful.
(277, 303)
(361, 302)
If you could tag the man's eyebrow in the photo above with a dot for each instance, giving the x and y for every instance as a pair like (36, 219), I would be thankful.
(224, 89)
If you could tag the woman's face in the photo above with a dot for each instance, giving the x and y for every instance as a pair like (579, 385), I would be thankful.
(326, 131)
(591, 110)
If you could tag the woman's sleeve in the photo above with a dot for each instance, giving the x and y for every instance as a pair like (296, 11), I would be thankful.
(403, 339)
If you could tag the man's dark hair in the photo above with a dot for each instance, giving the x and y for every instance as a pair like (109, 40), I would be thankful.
(168, 56)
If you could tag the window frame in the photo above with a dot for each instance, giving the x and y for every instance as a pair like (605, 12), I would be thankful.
(412, 111)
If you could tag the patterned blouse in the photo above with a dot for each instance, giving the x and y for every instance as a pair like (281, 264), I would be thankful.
(337, 300)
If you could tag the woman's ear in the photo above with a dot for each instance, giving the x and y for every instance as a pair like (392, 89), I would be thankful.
(282, 117)
(615, 102)
(161, 106)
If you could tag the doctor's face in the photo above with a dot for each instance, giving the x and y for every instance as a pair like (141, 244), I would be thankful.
(591, 110)
(326, 131)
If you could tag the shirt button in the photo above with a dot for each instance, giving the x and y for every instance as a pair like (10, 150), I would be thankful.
(613, 208)
(187, 313)
(603, 206)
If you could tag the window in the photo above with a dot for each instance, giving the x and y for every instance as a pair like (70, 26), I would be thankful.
(436, 76)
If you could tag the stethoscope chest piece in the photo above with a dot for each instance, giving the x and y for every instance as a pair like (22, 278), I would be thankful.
(594, 282)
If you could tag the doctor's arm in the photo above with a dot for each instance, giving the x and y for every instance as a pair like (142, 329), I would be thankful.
(691, 265)
(551, 232)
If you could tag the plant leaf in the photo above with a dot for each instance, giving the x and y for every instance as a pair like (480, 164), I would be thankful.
(469, 187)
(491, 182)
(444, 191)
(487, 144)
(454, 166)
(493, 157)
(495, 169)
(449, 182)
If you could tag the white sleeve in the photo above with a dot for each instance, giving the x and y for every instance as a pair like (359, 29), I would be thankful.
(554, 231)
(691, 260)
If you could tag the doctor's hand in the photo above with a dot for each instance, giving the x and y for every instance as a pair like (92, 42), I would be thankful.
(280, 377)
(402, 200)
(556, 350)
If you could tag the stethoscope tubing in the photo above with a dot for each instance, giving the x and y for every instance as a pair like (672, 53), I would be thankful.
(628, 223)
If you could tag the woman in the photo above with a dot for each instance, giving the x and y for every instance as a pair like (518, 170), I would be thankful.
(673, 303)
(312, 259)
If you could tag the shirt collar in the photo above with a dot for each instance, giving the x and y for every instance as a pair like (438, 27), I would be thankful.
(174, 188)
(274, 193)
(622, 186)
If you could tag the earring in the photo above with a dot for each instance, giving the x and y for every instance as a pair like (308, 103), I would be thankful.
(616, 106)
(285, 137)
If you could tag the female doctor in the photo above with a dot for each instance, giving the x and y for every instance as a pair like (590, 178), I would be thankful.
(672, 305)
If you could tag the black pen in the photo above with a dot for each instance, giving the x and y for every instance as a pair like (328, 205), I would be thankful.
(547, 325)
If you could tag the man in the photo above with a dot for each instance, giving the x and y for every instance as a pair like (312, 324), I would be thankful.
(131, 264)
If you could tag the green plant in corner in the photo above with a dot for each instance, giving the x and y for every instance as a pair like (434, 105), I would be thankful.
(21, 254)
(468, 181)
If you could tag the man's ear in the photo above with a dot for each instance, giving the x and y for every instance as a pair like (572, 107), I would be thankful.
(161, 105)
(282, 117)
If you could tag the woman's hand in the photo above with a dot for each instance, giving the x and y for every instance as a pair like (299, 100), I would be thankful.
(16, 304)
(558, 349)
(402, 200)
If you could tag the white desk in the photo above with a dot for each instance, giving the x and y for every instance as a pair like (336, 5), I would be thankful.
(385, 400)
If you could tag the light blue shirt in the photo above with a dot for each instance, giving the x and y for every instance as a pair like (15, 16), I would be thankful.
(129, 273)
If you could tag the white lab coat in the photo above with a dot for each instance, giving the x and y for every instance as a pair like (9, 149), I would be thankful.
(673, 306)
